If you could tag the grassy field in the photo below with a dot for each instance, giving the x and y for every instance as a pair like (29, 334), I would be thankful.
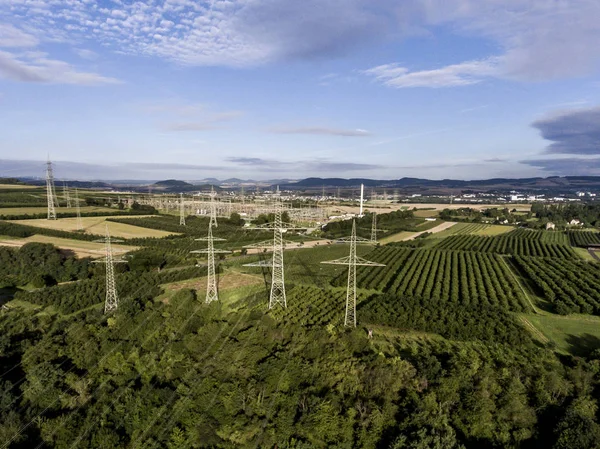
(584, 254)
(17, 187)
(474, 229)
(572, 334)
(423, 213)
(44, 210)
(226, 281)
(398, 237)
(79, 247)
(96, 225)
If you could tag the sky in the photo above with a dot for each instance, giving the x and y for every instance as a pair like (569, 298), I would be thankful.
(266, 89)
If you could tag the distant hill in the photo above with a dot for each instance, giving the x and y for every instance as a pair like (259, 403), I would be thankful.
(550, 184)
(169, 183)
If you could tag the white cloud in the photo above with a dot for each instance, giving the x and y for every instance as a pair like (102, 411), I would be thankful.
(37, 68)
(462, 74)
(322, 131)
(86, 54)
(534, 39)
(12, 37)
(34, 66)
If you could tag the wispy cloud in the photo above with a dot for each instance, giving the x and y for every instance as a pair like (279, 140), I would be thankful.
(36, 67)
(537, 39)
(474, 108)
(572, 132)
(410, 136)
(463, 74)
(319, 165)
(322, 131)
(204, 121)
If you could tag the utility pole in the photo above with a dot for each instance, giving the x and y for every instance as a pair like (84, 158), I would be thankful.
(50, 193)
(78, 210)
(181, 211)
(211, 285)
(352, 261)
(112, 299)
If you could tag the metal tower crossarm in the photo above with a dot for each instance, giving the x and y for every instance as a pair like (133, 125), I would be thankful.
(352, 261)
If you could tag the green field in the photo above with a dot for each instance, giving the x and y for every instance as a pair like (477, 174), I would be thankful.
(398, 237)
(474, 229)
(97, 226)
(574, 334)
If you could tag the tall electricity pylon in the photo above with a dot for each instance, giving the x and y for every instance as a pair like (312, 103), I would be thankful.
(77, 208)
(277, 295)
(352, 261)
(66, 194)
(50, 192)
(374, 228)
(213, 209)
(181, 211)
(212, 293)
(112, 299)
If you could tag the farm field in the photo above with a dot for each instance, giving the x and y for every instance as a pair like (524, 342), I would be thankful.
(17, 187)
(398, 237)
(450, 276)
(311, 306)
(475, 229)
(572, 286)
(80, 247)
(432, 227)
(509, 243)
(44, 210)
(425, 213)
(96, 225)
(583, 238)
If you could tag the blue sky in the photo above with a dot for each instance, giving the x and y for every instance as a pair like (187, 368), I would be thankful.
(268, 89)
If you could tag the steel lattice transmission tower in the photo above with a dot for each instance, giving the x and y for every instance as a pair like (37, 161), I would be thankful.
(277, 295)
(181, 211)
(212, 293)
(66, 194)
(50, 192)
(213, 208)
(112, 299)
(78, 210)
(352, 261)
(374, 228)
